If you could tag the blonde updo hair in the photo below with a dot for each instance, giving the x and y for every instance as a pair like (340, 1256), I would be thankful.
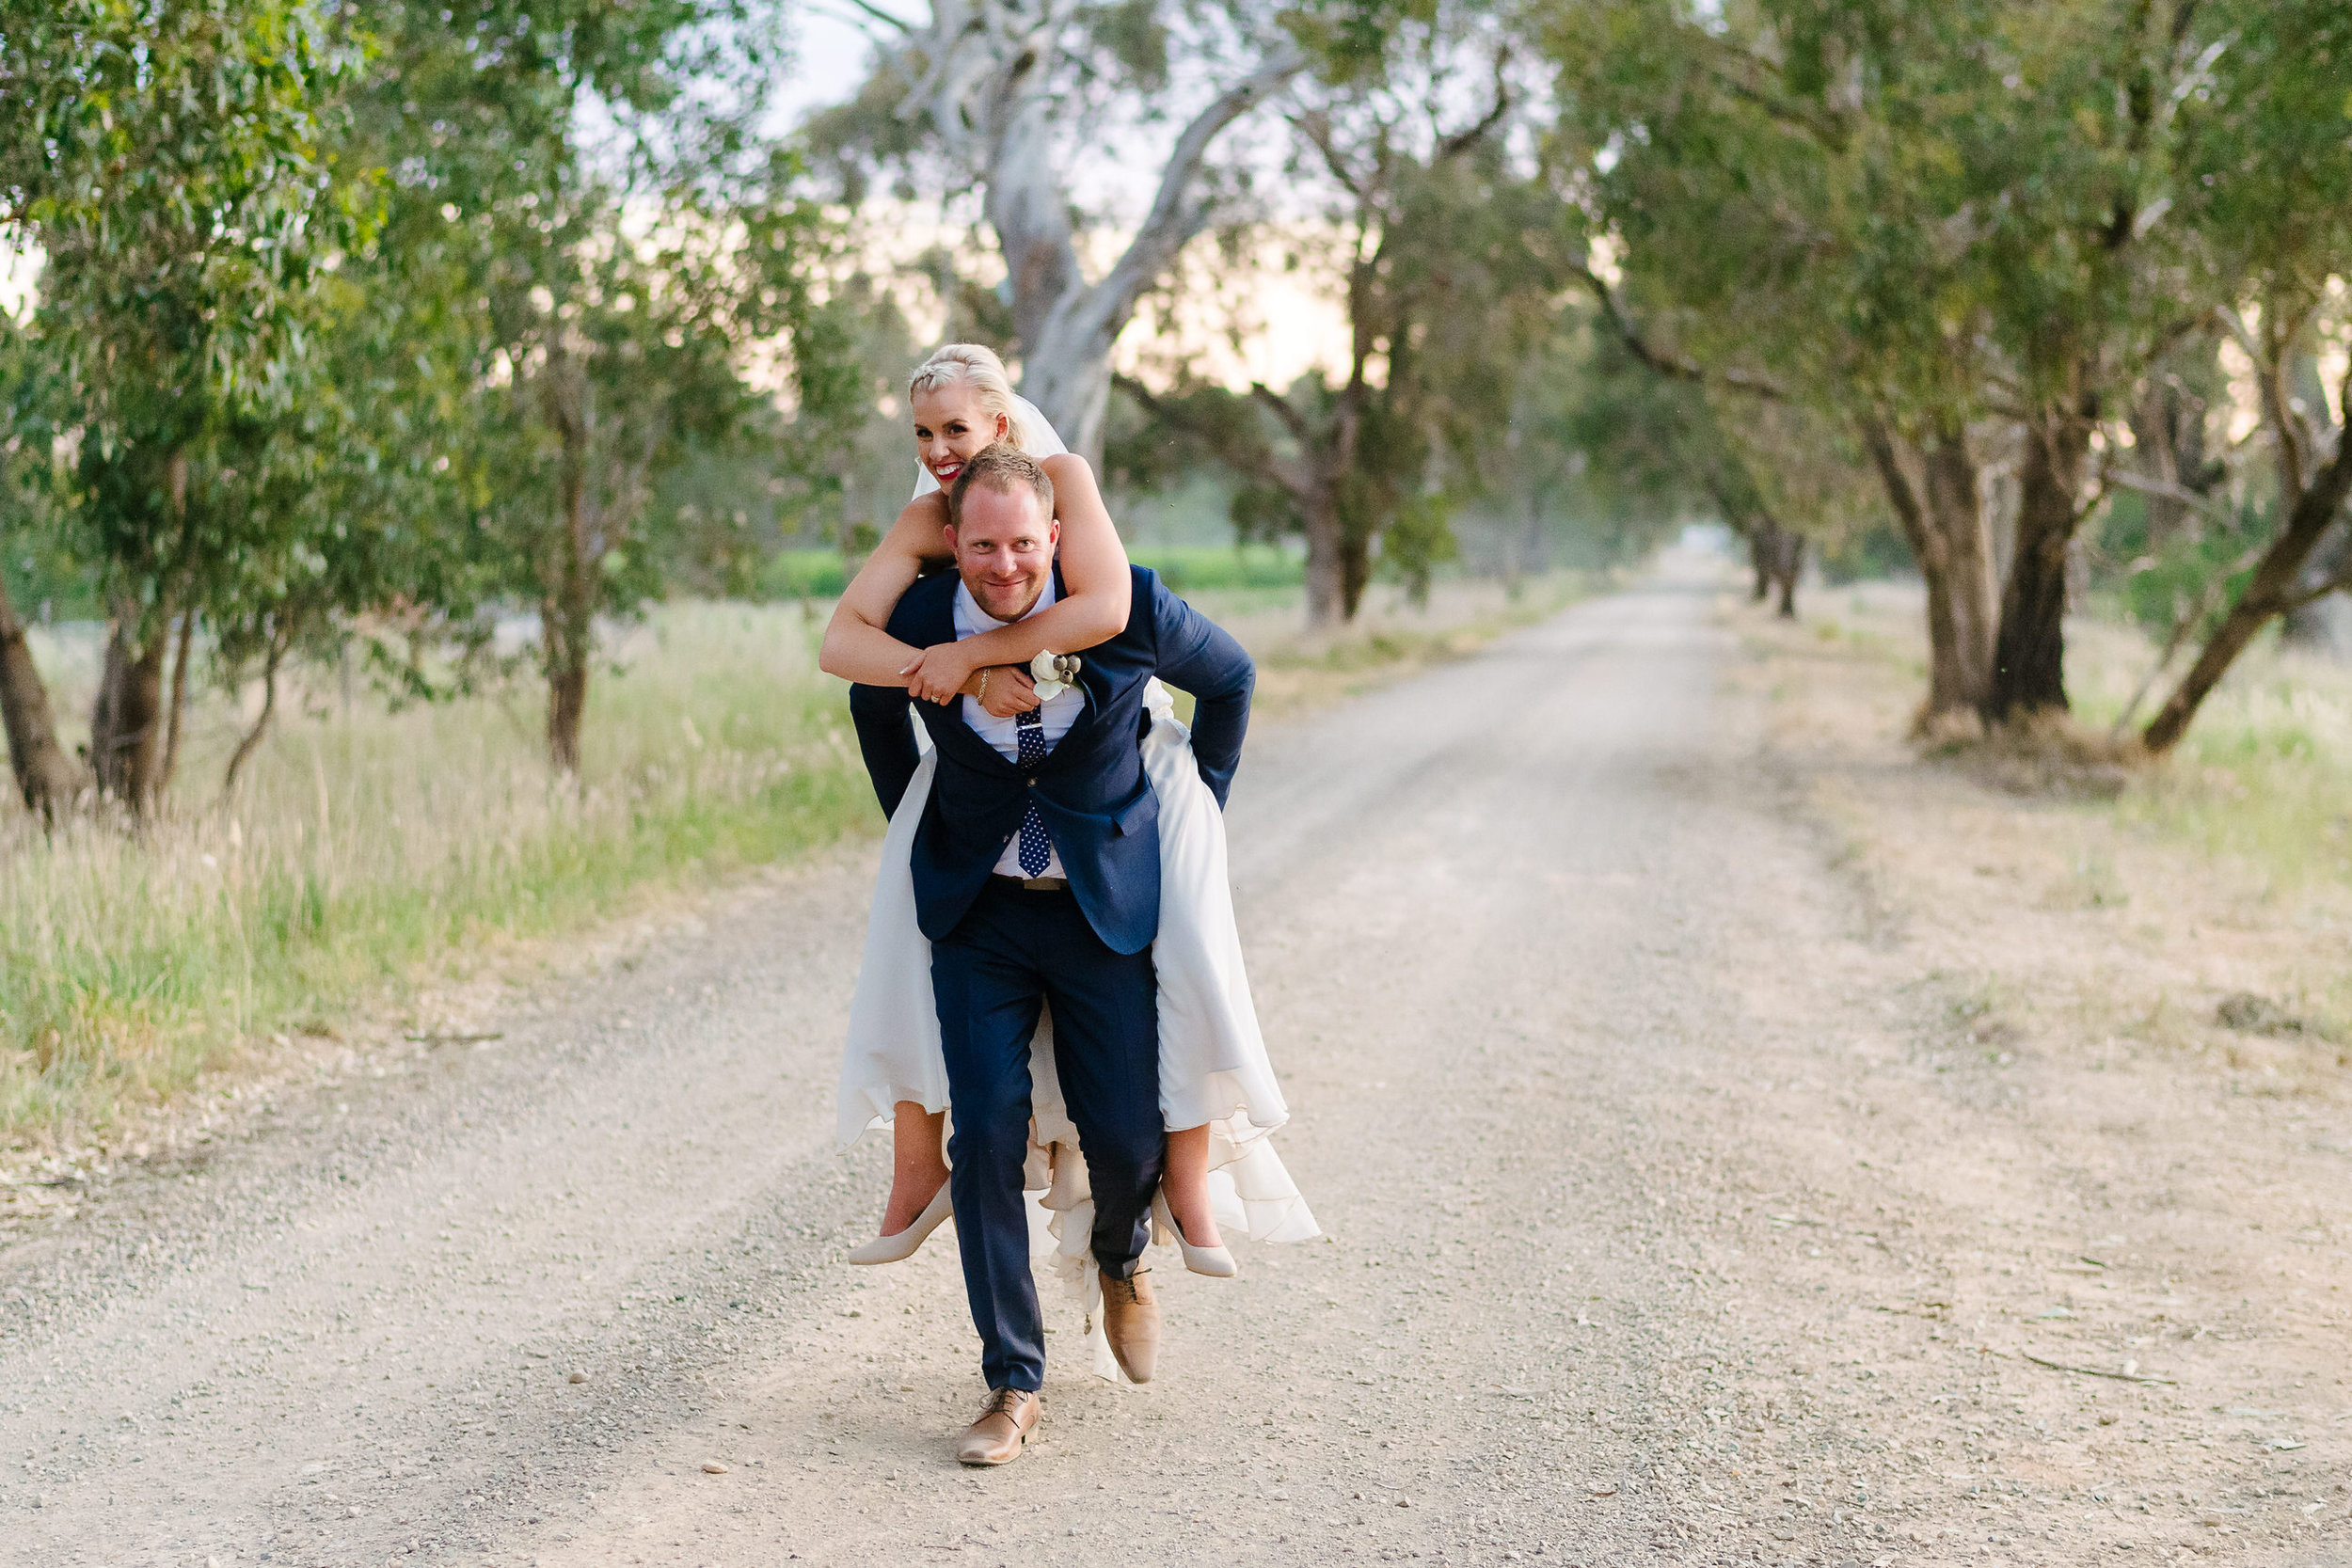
(973, 365)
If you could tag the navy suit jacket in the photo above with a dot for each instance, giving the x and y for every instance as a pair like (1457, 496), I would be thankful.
(1092, 790)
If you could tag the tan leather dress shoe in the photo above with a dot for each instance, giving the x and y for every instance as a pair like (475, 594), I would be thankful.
(1131, 1321)
(997, 1436)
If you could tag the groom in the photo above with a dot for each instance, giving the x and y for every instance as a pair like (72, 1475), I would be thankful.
(1037, 878)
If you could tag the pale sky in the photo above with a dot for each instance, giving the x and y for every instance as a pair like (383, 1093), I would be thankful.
(1288, 326)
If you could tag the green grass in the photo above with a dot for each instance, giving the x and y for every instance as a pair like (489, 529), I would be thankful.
(374, 853)
(804, 575)
(1187, 569)
(2264, 774)
(1200, 568)
(2262, 778)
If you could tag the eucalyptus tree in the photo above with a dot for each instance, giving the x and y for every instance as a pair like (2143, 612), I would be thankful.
(1758, 180)
(1006, 96)
(173, 163)
(31, 497)
(2272, 152)
(1450, 259)
(1923, 215)
(583, 185)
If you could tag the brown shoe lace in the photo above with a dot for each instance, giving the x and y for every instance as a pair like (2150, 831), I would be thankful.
(1005, 1402)
(1129, 1290)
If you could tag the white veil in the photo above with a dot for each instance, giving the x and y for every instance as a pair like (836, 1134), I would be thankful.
(1036, 439)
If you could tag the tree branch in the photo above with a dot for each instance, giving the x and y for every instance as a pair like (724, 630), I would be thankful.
(1462, 141)
(876, 13)
(1316, 127)
(1258, 461)
(1292, 419)
(1175, 219)
(1670, 365)
(2149, 485)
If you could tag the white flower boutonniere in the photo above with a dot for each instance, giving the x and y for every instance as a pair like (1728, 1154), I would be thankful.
(1053, 673)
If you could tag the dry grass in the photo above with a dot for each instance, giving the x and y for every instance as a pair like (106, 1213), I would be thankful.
(373, 848)
(2117, 904)
(375, 852)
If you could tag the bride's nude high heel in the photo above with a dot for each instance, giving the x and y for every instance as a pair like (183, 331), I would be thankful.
(1214, 1261)
(889, 1249)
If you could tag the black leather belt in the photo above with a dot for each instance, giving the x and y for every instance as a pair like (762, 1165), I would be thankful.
(1032, 884)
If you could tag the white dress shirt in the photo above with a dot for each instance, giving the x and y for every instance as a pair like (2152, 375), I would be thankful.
(1056, 716)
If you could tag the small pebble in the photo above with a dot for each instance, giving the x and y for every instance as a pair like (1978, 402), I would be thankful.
(714, 1469)
(577, 1377)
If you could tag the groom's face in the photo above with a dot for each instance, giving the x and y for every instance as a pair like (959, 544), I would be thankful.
(1004, 549)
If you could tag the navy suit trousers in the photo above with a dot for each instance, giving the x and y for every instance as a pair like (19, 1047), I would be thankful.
(1013, 951)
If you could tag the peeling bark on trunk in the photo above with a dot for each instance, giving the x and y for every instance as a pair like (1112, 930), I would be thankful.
(48, 779)
(2030, 649)
(990, 86)
(2318, 624)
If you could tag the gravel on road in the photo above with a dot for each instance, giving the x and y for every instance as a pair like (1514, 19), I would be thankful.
(1652, 1237)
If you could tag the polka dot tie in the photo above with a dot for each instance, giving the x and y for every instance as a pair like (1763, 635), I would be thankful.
(1036, 849)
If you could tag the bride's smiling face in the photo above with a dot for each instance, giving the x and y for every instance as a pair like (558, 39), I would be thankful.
(950, 428)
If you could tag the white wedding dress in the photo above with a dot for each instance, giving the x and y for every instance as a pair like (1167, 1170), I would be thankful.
(1212, 1059)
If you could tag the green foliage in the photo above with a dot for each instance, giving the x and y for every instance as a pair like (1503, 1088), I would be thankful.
(185, 187)
(383, 848)
(1196, 569)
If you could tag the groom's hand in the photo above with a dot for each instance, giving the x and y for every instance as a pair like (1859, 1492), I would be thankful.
(1010, 691)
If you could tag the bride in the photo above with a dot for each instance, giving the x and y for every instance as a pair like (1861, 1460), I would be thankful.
(1217, 1093)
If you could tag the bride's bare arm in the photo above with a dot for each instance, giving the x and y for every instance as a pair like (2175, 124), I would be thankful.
(858, 647)
(1098, 594)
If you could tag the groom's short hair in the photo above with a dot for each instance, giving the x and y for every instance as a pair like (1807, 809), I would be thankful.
(1005, 468)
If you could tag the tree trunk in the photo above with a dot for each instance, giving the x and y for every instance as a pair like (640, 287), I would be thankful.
(2029, 649)
(2319, 624)
(574, 554)
(47, 778)
(127, 719)
(991, 76)
(568, 641)
(1788, 564)
(252, 741)
(1327, 602)
(2271, 591)
(1956, 512)
(1760, 559)
(1950, 690)
(568, 695)
(178, 703)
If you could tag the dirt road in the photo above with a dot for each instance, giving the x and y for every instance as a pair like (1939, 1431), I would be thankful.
(1667, 1227)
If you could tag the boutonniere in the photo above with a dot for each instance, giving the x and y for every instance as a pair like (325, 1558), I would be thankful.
(1053, 673)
